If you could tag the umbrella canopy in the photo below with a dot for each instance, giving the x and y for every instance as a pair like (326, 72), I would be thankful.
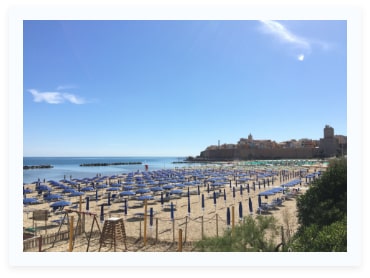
(145, 197)
(127, 193)
(76, 193)
(53, 197)
(176, 191)
(250, 206)
(142, 191)
(27, 201)
(62, 203)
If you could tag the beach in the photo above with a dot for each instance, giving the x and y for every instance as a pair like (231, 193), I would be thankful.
(200, 204)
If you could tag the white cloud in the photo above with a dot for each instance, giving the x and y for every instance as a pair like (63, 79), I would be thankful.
(287, 37)
(55, 97)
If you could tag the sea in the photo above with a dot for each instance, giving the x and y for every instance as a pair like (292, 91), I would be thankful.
(70, 167)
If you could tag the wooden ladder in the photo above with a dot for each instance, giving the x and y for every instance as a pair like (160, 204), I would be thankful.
(113, 232)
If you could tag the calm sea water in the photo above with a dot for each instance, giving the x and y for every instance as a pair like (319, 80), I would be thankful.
(70, 166)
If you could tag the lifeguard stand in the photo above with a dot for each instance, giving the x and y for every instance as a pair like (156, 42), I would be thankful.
(113, 232)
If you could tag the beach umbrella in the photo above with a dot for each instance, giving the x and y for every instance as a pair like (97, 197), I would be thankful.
(156, 189)
(176, 191)
(96, 195)
(151, 217)
(250, 206)
(240, 211)
(248, 188)
(145, 197)
(162, 200)
(109, 199)
(87, 203)
(228, 217)
(53, 197)
(234, 193)
(125, 208)
(241, 190)
(127, 193)
(225, 196)
(203, 202)
(189, 204)
(198, 190)
(142, 191)
(214, 198)
(259, 201)
(172, 212)
(76, 193)
(27, 190)
(102, 213)
(27, 201)
(60, 204)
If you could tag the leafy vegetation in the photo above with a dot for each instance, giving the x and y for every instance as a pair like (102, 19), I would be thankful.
(253, 235)
(322, 213)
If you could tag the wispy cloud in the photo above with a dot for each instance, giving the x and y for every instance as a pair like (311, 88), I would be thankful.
(301, 46)
(55, 97)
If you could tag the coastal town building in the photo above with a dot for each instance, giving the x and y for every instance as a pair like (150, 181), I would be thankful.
(249, 148)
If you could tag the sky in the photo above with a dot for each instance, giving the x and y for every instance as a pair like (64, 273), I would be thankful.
(174, 87)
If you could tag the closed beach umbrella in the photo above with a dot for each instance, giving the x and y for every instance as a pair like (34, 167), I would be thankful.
(96, 195)
(102, 213)
(228, 217)
(240, 211)
(151, 217)
(214, 198)
(234, 193)
(250, 206)
(125, 208)
(259, 201)
(87, 203)
(203, 202)
(198, 190)
(241, 190)
(225, 196)
(108, 198)
(162, 200)
(172, 212)
(248, 187)
(189, 204)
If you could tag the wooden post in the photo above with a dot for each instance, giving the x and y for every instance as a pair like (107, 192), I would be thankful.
(145, 210)
(40, 243)
(202, 227)
(70, 235)
(216, 224)
(180, 240)
(186, 227)
(173, 230)
(156, 229)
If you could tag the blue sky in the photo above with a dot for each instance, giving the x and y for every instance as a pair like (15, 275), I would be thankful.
(172, 88)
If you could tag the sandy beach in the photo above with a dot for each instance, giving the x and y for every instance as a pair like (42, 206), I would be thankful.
(161, 231)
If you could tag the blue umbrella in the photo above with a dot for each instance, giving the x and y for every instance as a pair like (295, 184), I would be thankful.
(151, 217)
(225, 196)
(176, 191)
(259, 201)
(189, 204)
(87, 203)
(240, 211)
(109, 199)
(234, 193)
(172, 212)
(142, 191)
(203, 202)
(241, 190)
(76, 193)
(125, 206)
(248, 188)
(145, 197)
(127, 193)
(214, 198)
(162, 200)
(60, 204)
(27, 201)
(52, 197)
(228, 217)
(250, 206)
(102, 213)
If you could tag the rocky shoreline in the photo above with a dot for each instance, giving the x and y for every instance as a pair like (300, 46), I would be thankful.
(28, 167)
